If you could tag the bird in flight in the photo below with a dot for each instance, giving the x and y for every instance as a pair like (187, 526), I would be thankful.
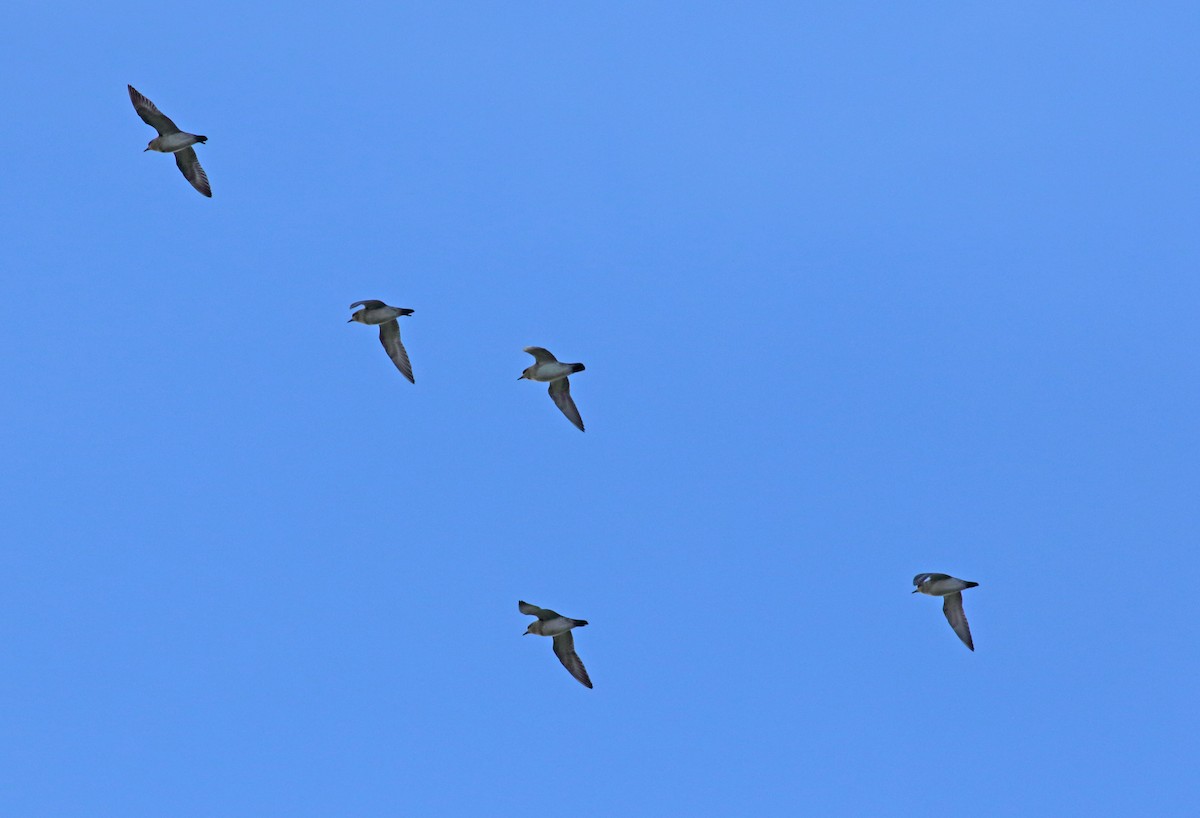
(376, 312)
(950, 589)
(547, 368)
(172, 140)
(559, 627)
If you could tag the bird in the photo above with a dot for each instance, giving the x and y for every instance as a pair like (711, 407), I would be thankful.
(552, 624)
(547, 368)
(172, 140)
(376, 312)
(950, 588)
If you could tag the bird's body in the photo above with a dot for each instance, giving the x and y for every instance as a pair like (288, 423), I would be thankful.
(559, 627)
(548, 369)
(553, 627)
(175, 142)
(940, 584)
(950, 589)
(380, 314)
(172, 140)
(377, 314)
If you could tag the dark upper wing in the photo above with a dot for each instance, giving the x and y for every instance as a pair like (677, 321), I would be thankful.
(389, 336)
(541, 355)
(189, 165)
(564, 649)
(534, 610)
(953, 609)
(150, 114)
(560, 393)
(370, 304)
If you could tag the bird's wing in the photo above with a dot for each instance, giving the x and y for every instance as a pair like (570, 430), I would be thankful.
(189, 165)
(153, 117)
(370, 304)
(953, 609)
(541, 355)
(534, 610)
(564, 649)
(560, 393)
(389, 336)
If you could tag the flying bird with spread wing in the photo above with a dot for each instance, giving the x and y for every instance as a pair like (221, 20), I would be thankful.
(950, 589)
(172, 140)
(376, 312)
(547, 368)
(559, 627)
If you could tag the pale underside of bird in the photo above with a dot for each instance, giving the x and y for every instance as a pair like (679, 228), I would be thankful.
(559, 628)
(548, 368)
(172, 140)
(950, 589)
(377, 312)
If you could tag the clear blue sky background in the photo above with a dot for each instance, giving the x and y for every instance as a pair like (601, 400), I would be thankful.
(863, 290)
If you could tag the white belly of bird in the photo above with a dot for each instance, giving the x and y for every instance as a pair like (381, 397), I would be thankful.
(174, 142)
(553, 627)
(551, 372)
(380, 316)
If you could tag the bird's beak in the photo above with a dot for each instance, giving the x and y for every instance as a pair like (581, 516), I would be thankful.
(349, 320)
(526, 633)
(521, 378)
(145, 149)
(915, 590)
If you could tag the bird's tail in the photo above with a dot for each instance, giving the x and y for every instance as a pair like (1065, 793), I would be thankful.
(201, 139)
(577, 367)
(970, 584)
(579, 623)
(404, 311)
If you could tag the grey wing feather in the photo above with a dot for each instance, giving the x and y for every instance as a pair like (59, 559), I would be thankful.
(150, 114)
(560, 393)
(952, 607)
(541, 355)
(370, 304)
(389, 336)
(564, 649)
(189, 165)
(534, 610)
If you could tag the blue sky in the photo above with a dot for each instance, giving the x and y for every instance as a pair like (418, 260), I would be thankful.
(862, 291)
